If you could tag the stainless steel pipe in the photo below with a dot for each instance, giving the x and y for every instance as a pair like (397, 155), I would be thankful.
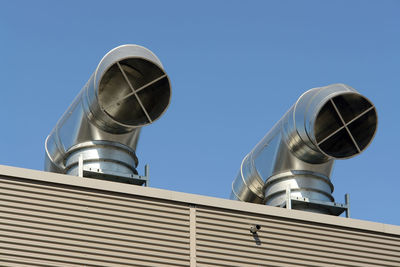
(128, 90)
(326, 123)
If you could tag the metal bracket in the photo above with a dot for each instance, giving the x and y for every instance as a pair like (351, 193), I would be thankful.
(80, 165)
(115, 176)
(333, 207)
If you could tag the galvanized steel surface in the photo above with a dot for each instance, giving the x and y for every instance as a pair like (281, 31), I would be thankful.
(327, 123)
(128, 90)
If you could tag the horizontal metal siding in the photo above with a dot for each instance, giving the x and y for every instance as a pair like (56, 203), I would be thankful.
(43, 224)
(46, 225)
(224, 239)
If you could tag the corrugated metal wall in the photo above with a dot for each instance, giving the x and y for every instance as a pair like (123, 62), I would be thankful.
(224, 239)
(45, 224)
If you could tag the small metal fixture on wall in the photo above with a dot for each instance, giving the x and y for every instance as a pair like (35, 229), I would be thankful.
(254, 231)
(98, 134)
(254, 228)
(326, 123)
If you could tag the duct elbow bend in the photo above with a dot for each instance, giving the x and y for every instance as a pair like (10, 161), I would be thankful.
(331, 122)
(128, 90)
(326, 123)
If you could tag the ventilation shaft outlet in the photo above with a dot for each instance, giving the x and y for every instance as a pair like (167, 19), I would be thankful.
(99, 132)
(297, 154)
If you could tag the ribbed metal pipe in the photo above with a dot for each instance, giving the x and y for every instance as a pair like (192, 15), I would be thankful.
(326, 123)
(128, 90)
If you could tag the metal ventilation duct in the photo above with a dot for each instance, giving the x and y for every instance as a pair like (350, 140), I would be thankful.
(327, 123)
(128, 90)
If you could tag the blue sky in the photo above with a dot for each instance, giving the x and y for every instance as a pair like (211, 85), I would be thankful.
(235, 67)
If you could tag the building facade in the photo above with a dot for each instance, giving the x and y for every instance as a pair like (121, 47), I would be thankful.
(50, 219)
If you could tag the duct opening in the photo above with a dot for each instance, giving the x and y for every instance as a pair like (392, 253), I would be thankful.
(134, 92)
(345, 125)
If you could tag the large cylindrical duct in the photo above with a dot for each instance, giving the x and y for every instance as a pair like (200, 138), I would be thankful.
(326, 123)
(128, 90)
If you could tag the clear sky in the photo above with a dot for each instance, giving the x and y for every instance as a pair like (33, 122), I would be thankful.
(235, 68)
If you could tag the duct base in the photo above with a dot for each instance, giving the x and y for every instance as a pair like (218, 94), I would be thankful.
(104, 160)
(303, 184)
(306, 204)
(116, 176)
